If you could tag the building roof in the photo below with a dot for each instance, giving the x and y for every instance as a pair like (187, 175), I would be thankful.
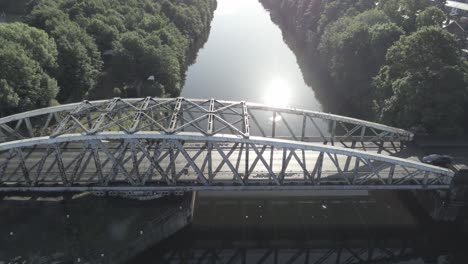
(454, 26)
(457, 5)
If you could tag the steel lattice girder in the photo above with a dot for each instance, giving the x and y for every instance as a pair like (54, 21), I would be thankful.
(208, 117)
(339, 254)
(189, 161)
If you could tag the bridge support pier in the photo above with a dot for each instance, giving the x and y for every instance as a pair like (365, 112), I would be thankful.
(449, 204)
(192, 206)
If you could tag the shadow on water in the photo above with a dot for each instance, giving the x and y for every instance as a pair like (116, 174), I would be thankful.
(84, 228)
(379, 227)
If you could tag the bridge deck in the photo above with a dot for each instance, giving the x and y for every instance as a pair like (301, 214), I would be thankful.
(155, 161)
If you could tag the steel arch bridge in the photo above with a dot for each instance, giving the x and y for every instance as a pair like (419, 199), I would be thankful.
(158, 145)
(208, 117)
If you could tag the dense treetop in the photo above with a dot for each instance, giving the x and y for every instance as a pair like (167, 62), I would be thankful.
(101, 46)
(422, 83)
(391, 59)
(27, 58)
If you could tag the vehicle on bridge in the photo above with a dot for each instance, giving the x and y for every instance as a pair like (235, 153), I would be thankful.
(438, 160)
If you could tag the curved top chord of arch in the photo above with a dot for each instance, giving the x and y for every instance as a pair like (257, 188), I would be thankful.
(190, 161)
(208, 117)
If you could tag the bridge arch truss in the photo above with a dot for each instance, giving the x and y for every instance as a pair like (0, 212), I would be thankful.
(207, 117)
(157, 161)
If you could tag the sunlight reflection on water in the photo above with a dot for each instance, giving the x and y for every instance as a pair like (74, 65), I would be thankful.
(277, 93)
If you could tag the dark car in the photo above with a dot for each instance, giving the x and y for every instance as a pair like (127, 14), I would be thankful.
(438, 160)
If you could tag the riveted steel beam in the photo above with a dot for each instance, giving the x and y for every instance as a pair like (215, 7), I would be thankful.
(182, 114)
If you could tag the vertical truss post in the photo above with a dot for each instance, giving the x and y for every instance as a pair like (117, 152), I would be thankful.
(139, 113)
(245, 116)
(23, 166)
(210, 161)
(78, 162)
(97, 163)
(390, 174)
(247, 165)
(29, 127)
(317, 171)
(211, 112)
(426, 178)
(363, 133)
(333, 132)
(60, 165)
(304, 123)
(135, 163)
(172, 161)
(273, 131)
(284, 164)
(239, 157)
(175, 114)
(40, 165)
(89, 120)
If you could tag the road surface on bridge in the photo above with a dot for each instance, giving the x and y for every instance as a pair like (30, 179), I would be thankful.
(186, 162)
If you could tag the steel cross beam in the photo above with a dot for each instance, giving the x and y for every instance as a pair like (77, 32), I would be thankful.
(178, 162)
(207, 117)
(339, 254)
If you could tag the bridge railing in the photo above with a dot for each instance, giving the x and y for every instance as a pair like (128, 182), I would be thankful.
(186, 161)
(207, 117)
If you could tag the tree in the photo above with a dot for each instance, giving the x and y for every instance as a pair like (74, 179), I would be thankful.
(103, 33)
(431, 16)
(147, 37)
(403, 12)
(138, 58)
(23, 83)
(422, 83)
(354, 48)
(382, 37)
(35, 42)
(79, 61)
(27, 58)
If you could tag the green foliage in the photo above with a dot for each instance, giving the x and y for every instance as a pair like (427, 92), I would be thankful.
(403, 12)
(372, 58)
(36, 43)
(143, 35)
(25, 59)
(382, 37)
(431, 16)
(79, 59)
(422, 83)
(354, 48)
(103, 33)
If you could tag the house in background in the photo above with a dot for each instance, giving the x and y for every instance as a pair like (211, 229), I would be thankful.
(455, 28)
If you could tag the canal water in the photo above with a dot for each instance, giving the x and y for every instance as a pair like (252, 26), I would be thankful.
(245, 58)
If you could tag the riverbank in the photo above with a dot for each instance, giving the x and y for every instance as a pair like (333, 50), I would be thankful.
(385, 64)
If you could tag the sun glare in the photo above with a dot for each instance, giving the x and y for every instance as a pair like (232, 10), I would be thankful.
(277, 93)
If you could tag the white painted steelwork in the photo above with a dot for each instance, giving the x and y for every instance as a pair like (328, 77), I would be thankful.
(207, 117)
(157, 161)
